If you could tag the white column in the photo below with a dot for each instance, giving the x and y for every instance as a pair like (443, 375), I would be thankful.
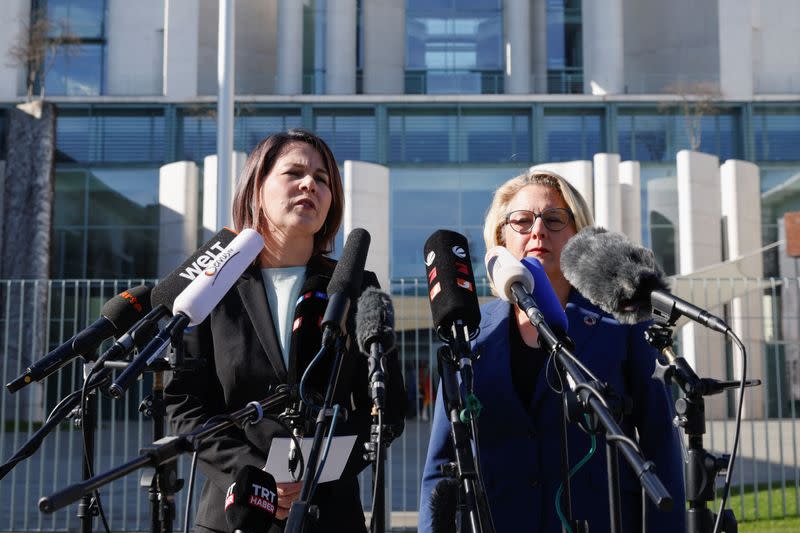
(631, 197)
(578, 174)
(177, 198)
(740, 182)
(181, 24)
(289, 79)
(226, 66)
(517, 46)
(384, 46)
(12, 77)
(135, 51)
(699, 217)
(538, 25)
(366, 201)
(789, 268)
(211, 221)
(340, 52)
(607, 194)
(2, 197)
(603, 50)
(735, 49)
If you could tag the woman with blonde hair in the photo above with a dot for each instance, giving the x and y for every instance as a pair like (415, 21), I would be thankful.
(534, 215)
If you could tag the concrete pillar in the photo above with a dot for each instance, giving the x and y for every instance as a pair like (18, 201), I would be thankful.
(384, 47)
(735, 49)
(211, 224)
(340, 52)
(603, 50)
(366, 201)
(577, 173)
(607, 194)
(700, 244)
(181, 24)
(538, 25)
(631, 200)
(12, 77)
(790, 309)
(177, 198)
(740, 183)
(517, 46)
(289, 78)
(2, 196)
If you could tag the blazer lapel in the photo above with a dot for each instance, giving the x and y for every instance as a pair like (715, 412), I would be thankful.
(254, 298)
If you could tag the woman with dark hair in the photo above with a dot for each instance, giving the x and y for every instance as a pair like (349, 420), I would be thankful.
(265, 331)
(534, 215)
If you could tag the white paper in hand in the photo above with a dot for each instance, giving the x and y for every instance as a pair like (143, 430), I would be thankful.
(278, 459)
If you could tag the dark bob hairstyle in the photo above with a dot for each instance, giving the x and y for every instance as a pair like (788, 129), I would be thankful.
(247, 211)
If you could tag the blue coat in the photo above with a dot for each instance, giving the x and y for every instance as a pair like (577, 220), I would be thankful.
(520, 453)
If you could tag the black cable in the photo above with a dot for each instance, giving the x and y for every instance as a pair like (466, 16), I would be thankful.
(729, 473)
(89, 469)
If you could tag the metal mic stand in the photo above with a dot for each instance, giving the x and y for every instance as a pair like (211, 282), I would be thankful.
(165, 450)
(456, 357)
(701, 467)
(302, 508)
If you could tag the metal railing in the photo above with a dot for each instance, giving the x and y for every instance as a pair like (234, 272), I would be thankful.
(38, 315)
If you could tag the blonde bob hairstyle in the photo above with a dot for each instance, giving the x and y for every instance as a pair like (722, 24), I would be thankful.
(496, 215)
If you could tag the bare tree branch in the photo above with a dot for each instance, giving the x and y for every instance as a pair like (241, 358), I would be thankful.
(698, 99)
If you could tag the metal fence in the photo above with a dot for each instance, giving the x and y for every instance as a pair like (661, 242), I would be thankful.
(36, 316)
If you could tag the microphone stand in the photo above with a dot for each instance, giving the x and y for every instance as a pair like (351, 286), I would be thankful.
(302, 508)
(590, 397)
(88, 423)
(167, 449)
(701, 467)
(455, 357)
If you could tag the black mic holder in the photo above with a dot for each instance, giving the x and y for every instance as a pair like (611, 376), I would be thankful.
(456, 358)
(166, 450)
(701, 467)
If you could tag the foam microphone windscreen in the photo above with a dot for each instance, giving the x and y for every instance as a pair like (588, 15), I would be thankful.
(251, 501)
(451, 283)
(349, 270)
(124, 309)
(443, 505)
(374, 320)
(613, 273)
(165, 292)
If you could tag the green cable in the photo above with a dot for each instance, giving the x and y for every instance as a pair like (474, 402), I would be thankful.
(575, 468)
(472, 410)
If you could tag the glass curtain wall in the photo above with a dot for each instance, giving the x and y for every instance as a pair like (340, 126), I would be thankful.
(454, 47)
(564, 47)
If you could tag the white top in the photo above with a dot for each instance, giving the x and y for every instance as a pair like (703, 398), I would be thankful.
(282, 286)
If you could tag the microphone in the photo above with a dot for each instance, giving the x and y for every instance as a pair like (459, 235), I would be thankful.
(164, 293)
(251, 501)
(118, 314)
(625, 280)
(444, 505)
(195, 302)
(451, 283)
(375, 336)
(545, 296)
(345, 285)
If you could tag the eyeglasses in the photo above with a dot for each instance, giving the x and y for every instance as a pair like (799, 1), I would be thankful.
(554, 219)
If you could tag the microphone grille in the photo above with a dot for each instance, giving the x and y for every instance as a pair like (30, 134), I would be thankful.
(374, 320)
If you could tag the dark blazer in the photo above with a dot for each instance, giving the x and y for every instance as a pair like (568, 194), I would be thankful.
(243, 360)
(520, 445)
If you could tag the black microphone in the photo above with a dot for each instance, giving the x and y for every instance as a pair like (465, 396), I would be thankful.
(451, 283)
(624, 279)
(443, 505)
(164, 294)
(375, 336)
(251, 501)
(118, 314)
(345, 285)
(195, 303)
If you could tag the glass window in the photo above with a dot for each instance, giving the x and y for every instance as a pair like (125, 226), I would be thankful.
(122, 253)
(423, 137)
(123, 197)
(252, 126)
(643, 136)
(777, 133)
(198, 133)
(454, 46)
(69, 205)
(492, 137)
(72, 136)
(75, 71)
(573, 134)
(350, 134)
(314, 28)
(83, 18)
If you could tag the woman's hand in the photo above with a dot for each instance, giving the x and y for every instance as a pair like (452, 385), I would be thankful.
(287, 493)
